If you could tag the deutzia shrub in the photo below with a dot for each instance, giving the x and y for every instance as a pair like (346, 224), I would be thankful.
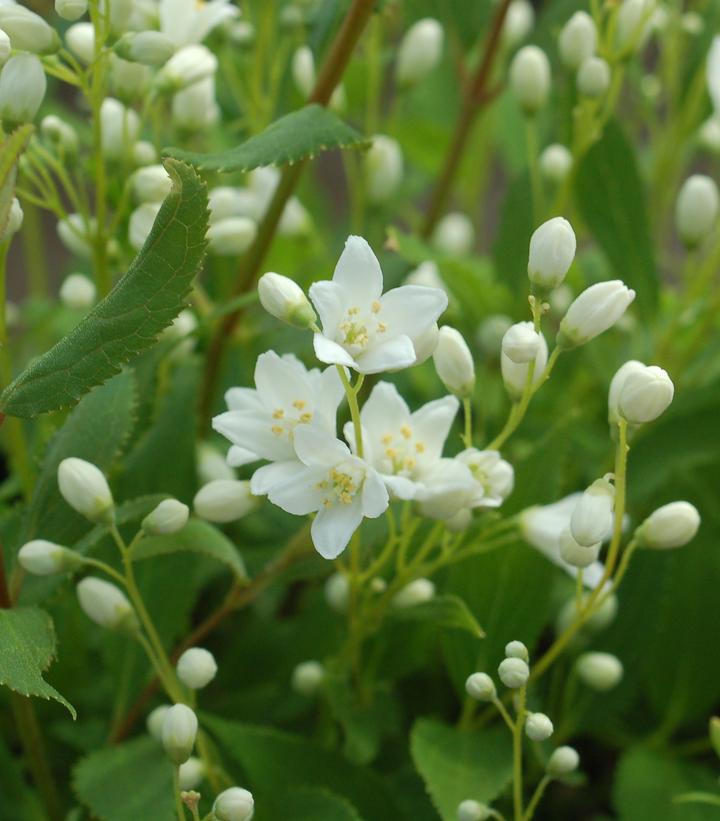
(358, 410)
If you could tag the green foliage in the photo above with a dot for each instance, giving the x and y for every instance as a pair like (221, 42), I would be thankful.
(129, 319)
(447, 611)
(303, 804)
(458, 765)
(610, 195)
(10, 150)
(127, 782)
(27, 647)
(297, 136)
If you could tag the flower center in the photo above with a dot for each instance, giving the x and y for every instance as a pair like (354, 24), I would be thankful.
(401, 451)
(356, 330)
(285, 420)
(340, 486)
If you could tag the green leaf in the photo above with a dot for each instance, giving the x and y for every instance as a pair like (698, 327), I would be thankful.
(610, 195)
(129, 319)
(296, 136)
(647, 783)
(27, 646)
(443, 611)
(304, 804)
(458, 765)
(269, 757)
(10, 150)
(126, 783)
(510, 251)
(196, 537)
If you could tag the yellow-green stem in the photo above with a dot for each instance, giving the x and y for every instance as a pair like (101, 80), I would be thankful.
(517, 756)
(537, 796)
(467, 411)
(352, 395)
(179, 808)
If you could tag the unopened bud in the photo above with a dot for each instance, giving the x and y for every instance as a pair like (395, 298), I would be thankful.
(577, 40)
(480, 687)
(595, 310)
(696, 210)
(27, 31)
(303, 70)
(555, 163)
(85, 489)
(601, 671)
(14, 220)
(616, 386)
(521, 342)
(672, 525)
(593, 78)
(514, 672)
(530, 79)
(515, 376)
(633, 24)
(232, 236)
(575, 554)
(195, 108)
(235, 804)
(337, 592)
(538, 727)
(285, 300)
(552, 250)
(151, 48)
(516, 650)
(196, 668)
(78, 292)
(5, 47)
(189, 65)
(59, 132)
(708, 134)
(22, 87)
(80, 38)
(383, 168)
(308, 677)
(144, 153)
(645, 394)
(715, 734)
(454, 363)
(169, 516)
(416, 592)
(191, 773)
(179, 732)
(120, 127)
(141, 222)
(43, 558)
(592, 518)
(71, 9)
(151, 183)
(155, 720)
(473, 811)
(454, 234)
(106, 604)
(563, 761)
(419, 51)
(519, 20)
(224, 500)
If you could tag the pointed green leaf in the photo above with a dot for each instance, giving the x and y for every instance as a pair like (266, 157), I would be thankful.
(129, 319)
(27, 646)
(443, 611)
(296, 136)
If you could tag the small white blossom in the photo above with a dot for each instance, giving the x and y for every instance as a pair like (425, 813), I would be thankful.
(480, 687)
(645, 394)
(672, 525)
(188, 66)
(155, 721)
(595, 310)
(151, 48)
(521, 343)
(43, 558)
(211, 465)
(494, 477)
(514, 672)
(515, 375)
(71, 9)
(78, 292)
(337, 592)
(151, 183)
(14, 220)
(416, 592)
(232, 236)
(22, 88)
(593, 78)
(592, 517)
(120, 128)
(170, 516)
(224, 500)
(179, 731)
(191, 773)
(185, 22)
(552, 250)
(27, 31)
(427, 275)
(419, 51)
(85, 489)
(601, 671)
(696, 210)
(454, 234)
(308, 678)
(196, 668)
(5, 46)
(454, 363)
(577, 40)
(471, 810)
(284, 299)
(555, 162)
(519, 20)
(516, 650)
(235, 804)
(538, 727)
(713, 73)
(80, 38)
(563, 761)
(575, 554)
(195, 108)
(616, 385)
(383, 167)
(530, 79)
(141, 223)
(105, 604)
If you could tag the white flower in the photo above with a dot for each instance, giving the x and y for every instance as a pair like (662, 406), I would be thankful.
(713, 73)
(22, 88)
(593, 77)
(601, 671)
(191, 773)
(186, 22)
(27, 31)
(151, 183)
(43, 558)
(494, 477)
(155, 720)
(415, 592)
(342, 488)
(538, 727)
(363, 328)
(196, 668)
(71, 9)
(595, 310)
(284, 299)
(105, 604)
(76, 234)
(519, 20)
(564, 760)
(514, 672)
(188, 66)
(448, 488)
(120, 127)
(195, 107)
(303, 70)
(515, 375)
(141, 222)
(672, 525)
(5, 47)
(85, 489)
(170, 516)
(426, 274)
(552, 250)
(471, 810)
(151, 48)
(454, 363)
(77, 291)
(696, 209)
(480, 686)
(521, 343)
(59, 132)
(232, 236)
(235, 804)
(591, 519)
(575, 554)
(179, 730)
(577, 40)
(645, 393)
(516, 650)
(616, 385)
(308, 677)
(211, 465)
(419, 51)
(80, 38)
(530, 78)
(261, 421)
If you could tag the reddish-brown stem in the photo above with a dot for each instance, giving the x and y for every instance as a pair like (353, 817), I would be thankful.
(330, 75)
(477, 96)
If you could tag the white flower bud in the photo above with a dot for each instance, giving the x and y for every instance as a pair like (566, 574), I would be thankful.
(78, 292)
(460, 522)
(672, 525)
(427, 275)
(514, 672)
(186, 67)
(151, 48)
(383, 164)
(224, 500)
(599, 620)
(555, 163)
(191, 773)
(85, 489)
(42, 558)
(552, 250)
(563, 761)
(155, 720)
(516, 650)
(519, 20)
(179, 732)
(303, 70)
(308, 677)
(285, 300)
(120, 127)
(593, 311)
(480, 687)
(5, 46)
(616, 386)
(708, 134)
(232, 236)
(577, 555)
(56, 130)
(22, 88)
(454, 234)
(416, 592)
(633, 24)
(593, 78)
(337, 592)
(696, 210)
(645, 394)
(71, 9)
(538, 727)
(515, 376)
(592, 518)
(144, 153)
(75, 234)
(196, 668)
(14, 220)
(211, 465)
(80, 39)
(235, 804)
(530, 79)
(128, 80)
(454, 363)
(170, 516)
(141, 222)
(151, 183)
(419, 51)
(473, 811)
(577, 40)
(601, 671)
(194, 108)
(106, 604)
(242, 33)
(521, 342)
(27, 31)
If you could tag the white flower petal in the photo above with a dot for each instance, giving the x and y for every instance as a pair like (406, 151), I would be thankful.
(237, 456)
(330, 352)
(330, 393)
(276, 473)
(316, 448)
(329, 301)
(243, 399)
(300, 493)
(253, 431)
(432, 423)
(400, 487)
(358, 272)
(333, 527)
(385, 410)
(391, 355)
(412, 309)
(280, 382)
(374, 495)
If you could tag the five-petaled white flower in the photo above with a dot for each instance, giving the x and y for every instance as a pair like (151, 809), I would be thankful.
(364, 328)
(187, 21)
(342, 488)
(494, 477)
(261, 422)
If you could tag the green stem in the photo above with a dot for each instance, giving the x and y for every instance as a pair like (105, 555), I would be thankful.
(352, 398)
(537, 796)
(34, 250)
(517, 756)
(467, 411)
(179, 808)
